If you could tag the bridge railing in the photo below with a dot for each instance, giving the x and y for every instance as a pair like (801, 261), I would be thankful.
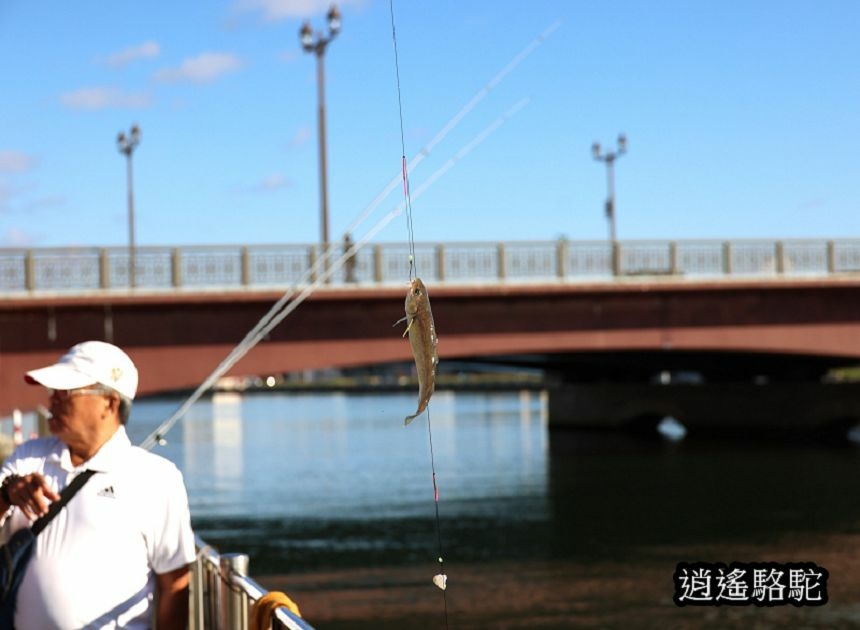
(222, 594)
(262, 266)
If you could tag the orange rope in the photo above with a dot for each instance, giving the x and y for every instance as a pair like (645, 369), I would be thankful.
(263, 610)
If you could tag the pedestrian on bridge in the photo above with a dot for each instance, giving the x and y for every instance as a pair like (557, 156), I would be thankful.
(349, 262)
(124, 541)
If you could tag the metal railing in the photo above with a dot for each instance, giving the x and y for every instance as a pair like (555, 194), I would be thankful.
(262, 266)
(222, 594)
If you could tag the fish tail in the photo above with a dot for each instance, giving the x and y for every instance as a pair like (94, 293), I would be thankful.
(422, 405)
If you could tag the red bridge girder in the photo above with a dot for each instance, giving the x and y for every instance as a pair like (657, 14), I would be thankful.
(178, 338)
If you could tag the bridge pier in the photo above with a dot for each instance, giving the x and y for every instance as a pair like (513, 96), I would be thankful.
(733, 408)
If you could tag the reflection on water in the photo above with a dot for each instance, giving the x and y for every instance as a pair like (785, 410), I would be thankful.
(316, 478)
(304, 482)
(213, 442)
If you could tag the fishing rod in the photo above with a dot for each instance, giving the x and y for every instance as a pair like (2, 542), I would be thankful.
(455, 120)
(283, 307)
(248, 341)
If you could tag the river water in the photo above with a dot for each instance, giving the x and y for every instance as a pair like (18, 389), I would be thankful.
(332, 498)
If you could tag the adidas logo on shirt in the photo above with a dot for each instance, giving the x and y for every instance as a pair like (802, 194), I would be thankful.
(107, 492)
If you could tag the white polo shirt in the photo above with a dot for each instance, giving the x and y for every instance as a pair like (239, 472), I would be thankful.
(94, 565)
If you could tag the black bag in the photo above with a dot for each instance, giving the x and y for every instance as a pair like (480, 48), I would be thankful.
(16, 553)
(13, 563)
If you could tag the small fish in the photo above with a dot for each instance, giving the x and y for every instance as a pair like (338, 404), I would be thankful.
(422, 338)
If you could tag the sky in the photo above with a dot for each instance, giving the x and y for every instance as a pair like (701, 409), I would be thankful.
(742, 120)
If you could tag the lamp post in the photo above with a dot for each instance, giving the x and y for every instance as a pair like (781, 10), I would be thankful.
(317, 43)
(126, 146)
(609, 159)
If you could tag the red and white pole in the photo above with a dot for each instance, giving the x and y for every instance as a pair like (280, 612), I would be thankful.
(17, 436)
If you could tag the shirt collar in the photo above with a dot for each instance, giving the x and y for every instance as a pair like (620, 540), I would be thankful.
(106, 458)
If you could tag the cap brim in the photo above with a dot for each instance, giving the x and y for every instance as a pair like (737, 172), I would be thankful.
(58, 377)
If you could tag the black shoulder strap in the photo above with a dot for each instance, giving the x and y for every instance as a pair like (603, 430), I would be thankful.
(67, 493)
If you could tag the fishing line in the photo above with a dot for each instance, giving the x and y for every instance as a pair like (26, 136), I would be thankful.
(441, 578)
(442, 573)
(453, 122)
(284, 306)
(412, 262)
(252, 338)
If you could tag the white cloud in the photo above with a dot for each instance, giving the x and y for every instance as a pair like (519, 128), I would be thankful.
(275, 10)
(104, 98)
(50, 201)
(18, 198)
(816, 203)
(289, 55)
(301, 137)
(16, 162)
(9, 193)
(6, 195)
(16, 238)
(204, 68)
(146, 50)
(273, 182)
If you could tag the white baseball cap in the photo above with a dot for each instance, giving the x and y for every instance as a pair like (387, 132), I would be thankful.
(88, 363)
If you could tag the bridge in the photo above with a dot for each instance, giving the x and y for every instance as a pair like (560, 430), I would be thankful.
(616, 313)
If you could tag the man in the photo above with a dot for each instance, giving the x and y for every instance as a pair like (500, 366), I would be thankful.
(350, 262)
(124, 541)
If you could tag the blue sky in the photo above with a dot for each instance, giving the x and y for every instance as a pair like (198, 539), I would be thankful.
(742, 119)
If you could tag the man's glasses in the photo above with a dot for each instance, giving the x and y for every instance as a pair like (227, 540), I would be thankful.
(64, 394)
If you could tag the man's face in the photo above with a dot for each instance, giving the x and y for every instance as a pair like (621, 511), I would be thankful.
(77, 413)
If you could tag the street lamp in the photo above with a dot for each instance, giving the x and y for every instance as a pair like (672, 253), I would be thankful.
(317, 43)
(126, 146)
(609, 159)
